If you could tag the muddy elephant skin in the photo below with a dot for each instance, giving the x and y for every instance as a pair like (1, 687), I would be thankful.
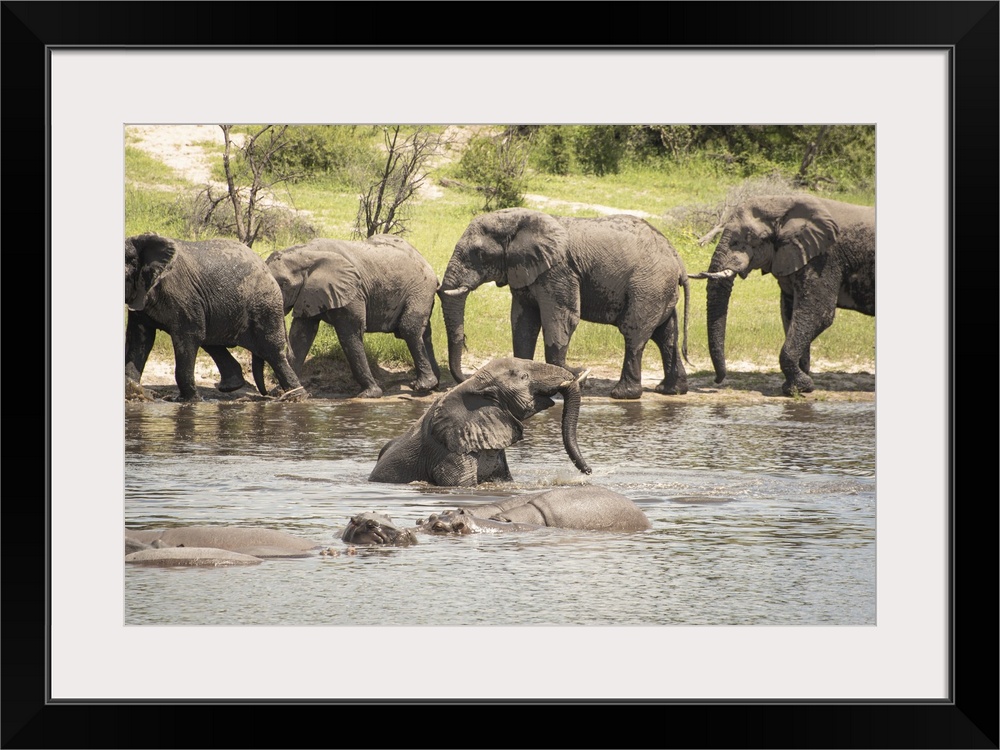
(381, 284)
(461, 438)
(212, 294)
(822, 253)
(617, 270)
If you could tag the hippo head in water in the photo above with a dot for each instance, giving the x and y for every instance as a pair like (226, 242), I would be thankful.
(375, 528)
(448, 522)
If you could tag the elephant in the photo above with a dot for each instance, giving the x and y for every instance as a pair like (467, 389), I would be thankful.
(821, 251)
(380, 284)
(617, 270)
(588, 508)
(214, 294)
(460, 438)
(212, 546)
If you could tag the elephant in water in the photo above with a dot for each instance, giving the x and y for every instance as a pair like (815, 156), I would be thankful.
(379, 284)
(460, 439)
(584, 508)
(213, 546)
(618, 270)
(212, 294)
(822, 252)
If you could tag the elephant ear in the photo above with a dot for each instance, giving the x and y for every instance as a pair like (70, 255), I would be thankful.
(152, 254)
(805, 231)
(478, 423)
(538, 243)
(333, 281)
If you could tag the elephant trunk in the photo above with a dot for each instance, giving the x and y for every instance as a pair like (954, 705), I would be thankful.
(720, 287)
(453, 310)
(570, 417)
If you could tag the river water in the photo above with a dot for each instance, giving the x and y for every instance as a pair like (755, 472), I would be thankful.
(762, 514)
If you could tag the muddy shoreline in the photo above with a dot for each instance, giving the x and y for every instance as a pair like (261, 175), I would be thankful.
(328, 379)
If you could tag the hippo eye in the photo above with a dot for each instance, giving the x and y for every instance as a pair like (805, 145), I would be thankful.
(459, 526)
(438, 526)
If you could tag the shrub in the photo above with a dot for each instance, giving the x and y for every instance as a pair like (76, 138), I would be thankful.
(553, 151)
(496, 166)
(599, 148)
(334, 151)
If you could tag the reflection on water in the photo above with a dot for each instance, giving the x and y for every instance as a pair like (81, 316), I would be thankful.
(761, 514)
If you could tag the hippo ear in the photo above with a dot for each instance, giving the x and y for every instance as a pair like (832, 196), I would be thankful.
(538, 243)
(805, 231)
(150, 254)
(333, 281)
(475, 423)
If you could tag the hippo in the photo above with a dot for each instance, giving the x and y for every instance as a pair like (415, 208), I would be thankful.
(212, 546)
(584, 508)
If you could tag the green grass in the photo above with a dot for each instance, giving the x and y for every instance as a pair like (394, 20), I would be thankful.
(754, 332)
(141, 168)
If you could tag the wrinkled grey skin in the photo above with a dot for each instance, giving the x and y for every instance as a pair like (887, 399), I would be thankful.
(822, 253)
(213, 294)
(585, 508)
(380, 284)
(211, 546)
(377, 528)
(460, 439)
(617, 270)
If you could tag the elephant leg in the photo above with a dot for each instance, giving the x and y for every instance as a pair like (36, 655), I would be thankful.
(185, 353)
(301, 334)
(812, 313)
(525, 325)
(786, 321)
(350, 326)
(283, 371)
(140, 335)
(416, 342)
(629, 385)
(558, 325)
(674, 375)
(230, 370)
(429, 348)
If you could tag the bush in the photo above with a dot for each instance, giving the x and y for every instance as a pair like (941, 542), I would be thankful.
(334, 151)
(496, 166)
(553, 151)
(599, 148)
(209, 213)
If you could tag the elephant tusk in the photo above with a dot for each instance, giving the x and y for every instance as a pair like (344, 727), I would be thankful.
(582, 377)
(456, 292)
(727, 274)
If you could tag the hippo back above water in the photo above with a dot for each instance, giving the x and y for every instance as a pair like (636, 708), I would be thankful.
(585, 508)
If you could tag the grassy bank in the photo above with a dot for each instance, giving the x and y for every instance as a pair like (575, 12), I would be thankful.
(158, 200)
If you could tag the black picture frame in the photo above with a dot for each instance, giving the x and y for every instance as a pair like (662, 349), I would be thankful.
(968, 30)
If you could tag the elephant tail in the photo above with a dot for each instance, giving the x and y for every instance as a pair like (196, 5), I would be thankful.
(686, 284)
